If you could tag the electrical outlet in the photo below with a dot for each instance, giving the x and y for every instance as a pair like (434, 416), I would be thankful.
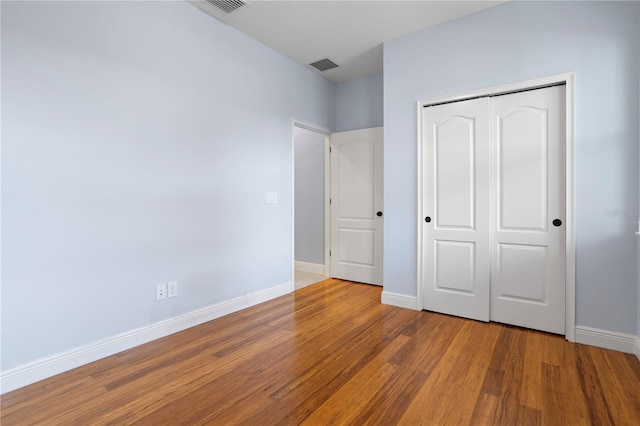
(161, 291)
(172, 288)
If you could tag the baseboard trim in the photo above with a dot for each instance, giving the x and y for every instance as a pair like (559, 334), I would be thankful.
(638, 346)
(399, 300)
(314, 268)
(47, 367)
(607, 339)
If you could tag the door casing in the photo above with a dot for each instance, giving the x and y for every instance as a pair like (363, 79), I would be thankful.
(569, 80)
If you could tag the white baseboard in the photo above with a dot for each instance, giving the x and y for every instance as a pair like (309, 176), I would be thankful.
(607, 339)
(50, 366)
(399, 300)
(638, 346)
(314, 268)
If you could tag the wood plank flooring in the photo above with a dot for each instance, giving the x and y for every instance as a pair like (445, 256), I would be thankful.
(331, 354)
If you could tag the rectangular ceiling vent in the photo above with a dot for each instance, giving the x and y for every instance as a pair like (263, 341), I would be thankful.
(227, 6)
(324, 64)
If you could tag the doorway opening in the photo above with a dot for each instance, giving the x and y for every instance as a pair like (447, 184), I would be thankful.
(310, 204)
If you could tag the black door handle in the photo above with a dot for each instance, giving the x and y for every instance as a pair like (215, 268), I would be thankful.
(427, 219)
(379, 214)
(557, 222)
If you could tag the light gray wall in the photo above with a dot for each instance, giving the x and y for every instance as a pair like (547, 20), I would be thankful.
(309, 195)
(359, 104)
(513, 42)
(138, 142)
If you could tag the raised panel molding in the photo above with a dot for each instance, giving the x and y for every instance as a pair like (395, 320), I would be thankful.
(50, 366)
(356, 171)
(455, 266)
(521, 273)
(526, 213)
(358, 246)
(455, 171)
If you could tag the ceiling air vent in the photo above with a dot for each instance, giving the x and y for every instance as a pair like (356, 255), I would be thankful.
(227, 6)
(324, 64)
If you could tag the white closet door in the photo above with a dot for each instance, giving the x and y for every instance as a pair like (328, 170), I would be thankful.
(494, 201)
(528, 195)
(356, 205)
(456, 176)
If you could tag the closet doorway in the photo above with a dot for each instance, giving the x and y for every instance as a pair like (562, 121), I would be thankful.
(494, 208)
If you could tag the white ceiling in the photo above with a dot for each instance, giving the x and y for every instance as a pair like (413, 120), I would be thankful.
(350, 33)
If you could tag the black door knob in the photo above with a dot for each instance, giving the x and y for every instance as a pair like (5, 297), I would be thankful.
(427, 219)
(557, 222)
(379, 214)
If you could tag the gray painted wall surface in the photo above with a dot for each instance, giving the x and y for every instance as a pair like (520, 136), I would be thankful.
(138, 142)
(309, 196)
(359, 104)
(514, 42)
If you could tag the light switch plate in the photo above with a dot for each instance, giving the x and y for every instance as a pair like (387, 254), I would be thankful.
(272, 198)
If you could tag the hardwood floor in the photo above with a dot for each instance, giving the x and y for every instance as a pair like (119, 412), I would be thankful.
(332, 354)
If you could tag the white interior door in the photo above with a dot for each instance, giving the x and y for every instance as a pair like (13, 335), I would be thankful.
(456, 207)
(494, 189)
(528, 247)
(356, 205)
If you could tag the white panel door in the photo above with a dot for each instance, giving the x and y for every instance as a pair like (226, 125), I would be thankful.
(456, 164)
(494, 200)
(528, 244)
(356, 205)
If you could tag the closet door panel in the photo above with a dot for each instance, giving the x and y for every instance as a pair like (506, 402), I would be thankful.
(456, 195)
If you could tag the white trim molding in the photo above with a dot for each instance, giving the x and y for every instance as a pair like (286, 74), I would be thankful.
(314, 268)
(399, 300)
(620, 342)
(637, 348)
(47, 367)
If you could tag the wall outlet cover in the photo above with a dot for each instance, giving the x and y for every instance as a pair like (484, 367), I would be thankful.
(161, 291)
(172, 289)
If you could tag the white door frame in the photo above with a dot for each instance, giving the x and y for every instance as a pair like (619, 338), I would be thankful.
(570, 258)
(327, 194)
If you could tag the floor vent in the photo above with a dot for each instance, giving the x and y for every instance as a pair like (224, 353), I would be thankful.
(324, 64)
(227, 6)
